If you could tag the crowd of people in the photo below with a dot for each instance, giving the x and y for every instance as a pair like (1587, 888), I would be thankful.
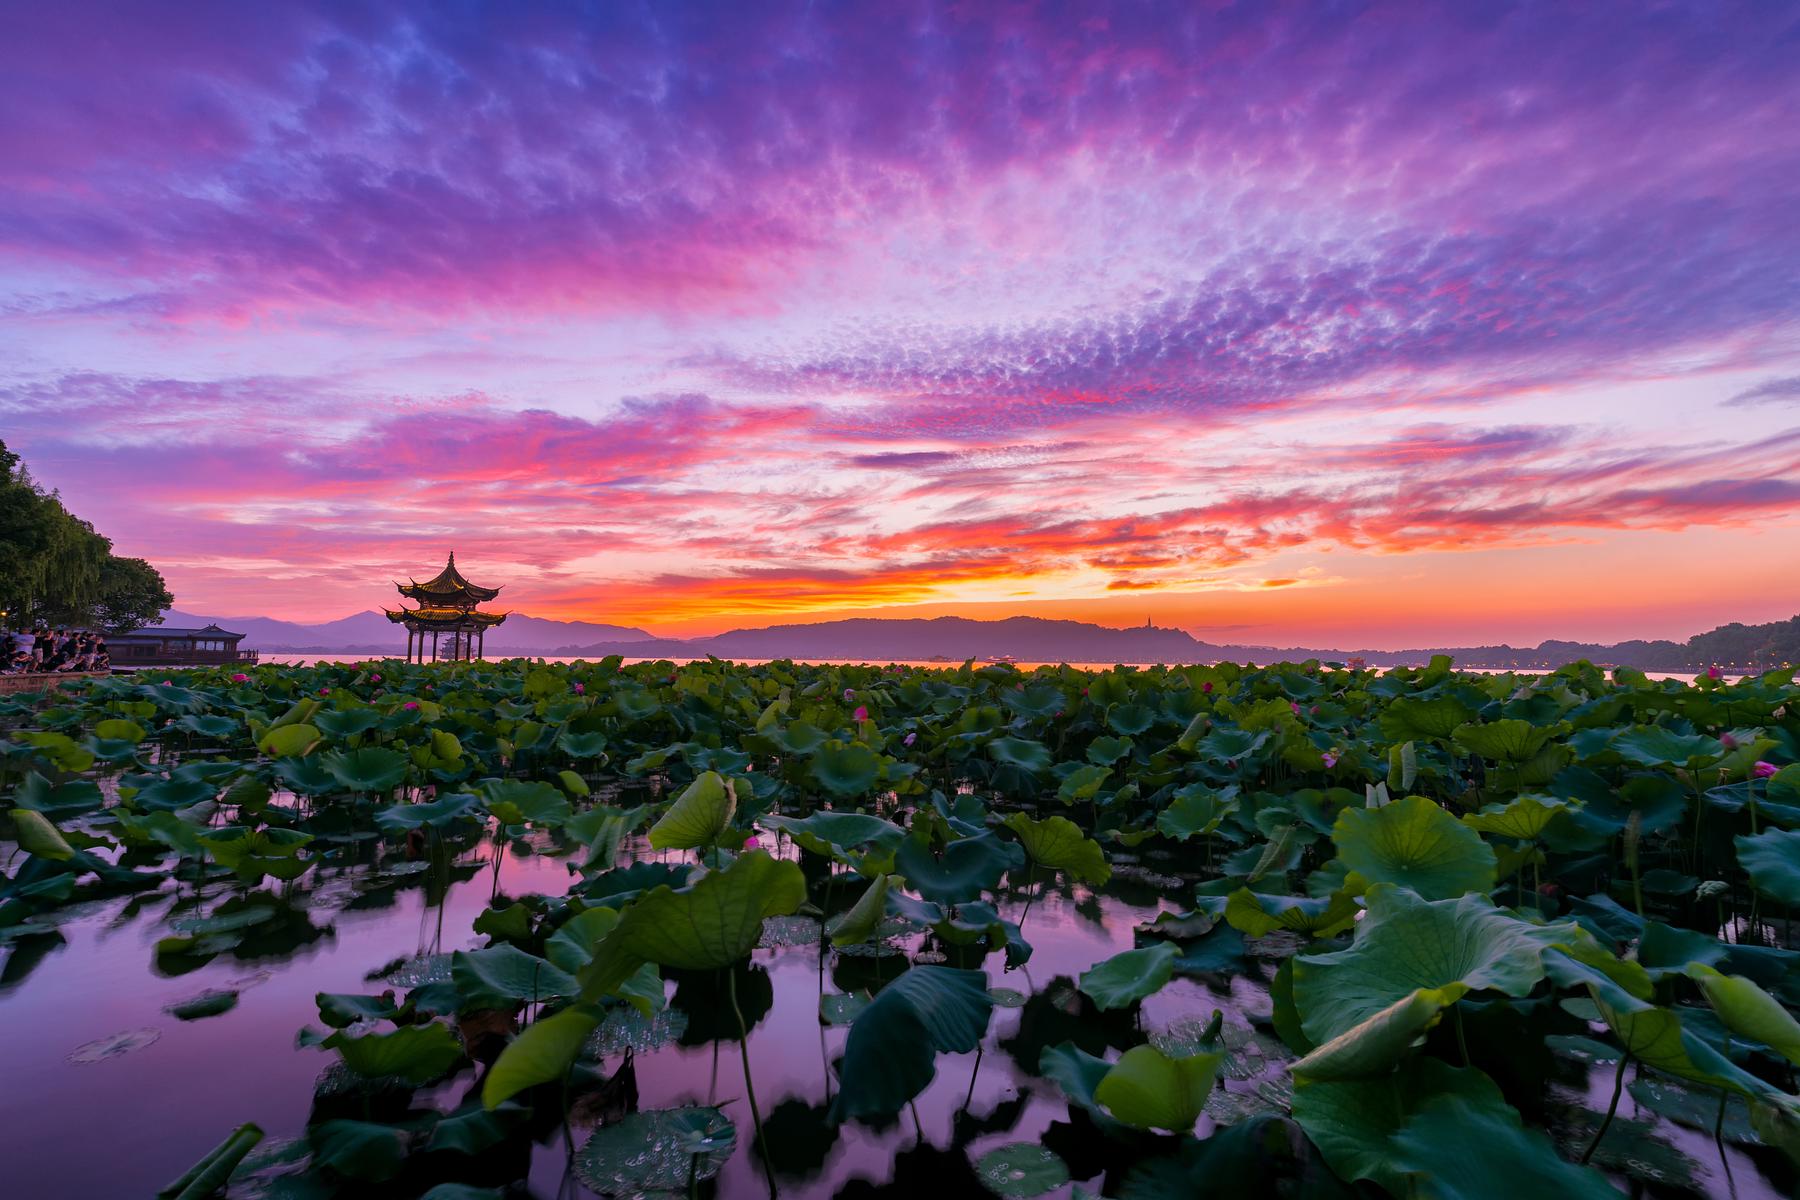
(49, 650)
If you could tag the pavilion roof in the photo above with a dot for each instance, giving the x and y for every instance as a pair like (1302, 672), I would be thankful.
(444, 618)
(447, 589)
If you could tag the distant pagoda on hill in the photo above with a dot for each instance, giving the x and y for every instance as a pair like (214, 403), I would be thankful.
(448, 605)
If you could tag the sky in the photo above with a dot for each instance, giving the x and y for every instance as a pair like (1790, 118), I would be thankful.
(1333, 324)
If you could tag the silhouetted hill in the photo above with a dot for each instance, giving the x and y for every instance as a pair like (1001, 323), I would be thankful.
(1027, 639)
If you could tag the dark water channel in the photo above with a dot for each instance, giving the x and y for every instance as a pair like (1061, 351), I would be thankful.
(151, 1103)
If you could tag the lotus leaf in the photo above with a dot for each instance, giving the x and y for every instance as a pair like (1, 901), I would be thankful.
(500, 976)
(1524, 817)
(967, 868)
(1414, 843)
(1504, 741)
(1129, 976)
(890, 1056)
(1259, 915)
(441, 813)
(1353, 1122)
(1021, 1169)
(1031, 757)
(1406, 943)
(514, 801)
(1148, 1089)
(1748, 1011)
(366, 769)
(289, 740)
(845, 769)
(711, 923)
(1455, 1149)
(1377, 1043)
(1772, 859)
(1196, 810)
(698, 816)
(658, 1152)
(415, 1053)
(542, 1053)
(359, 1149)
(1082, 783)
(859, 922)
(1420, 719)
(39, 837)
(1058, 844)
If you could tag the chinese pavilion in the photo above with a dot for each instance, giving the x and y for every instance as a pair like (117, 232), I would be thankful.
(447, 607)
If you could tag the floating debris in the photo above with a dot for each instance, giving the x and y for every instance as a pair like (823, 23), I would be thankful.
(652, 1154)
(113, 1045)
(1022, 1169)
(628, 1029)
(209, 1003)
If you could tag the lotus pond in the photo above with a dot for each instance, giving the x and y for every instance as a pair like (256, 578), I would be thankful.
(527, 929)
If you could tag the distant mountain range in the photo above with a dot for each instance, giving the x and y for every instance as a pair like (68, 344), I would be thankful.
(1027, 639)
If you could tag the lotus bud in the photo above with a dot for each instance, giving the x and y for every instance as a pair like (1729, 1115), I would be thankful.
(1762, 770)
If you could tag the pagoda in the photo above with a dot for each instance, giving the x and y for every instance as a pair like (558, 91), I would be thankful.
(447, 606)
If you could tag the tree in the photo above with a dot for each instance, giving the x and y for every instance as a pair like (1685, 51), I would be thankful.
(132, 594)
(56, 569)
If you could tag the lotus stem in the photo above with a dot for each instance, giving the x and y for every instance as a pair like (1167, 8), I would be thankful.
(1618, 1087)
(762, 1147)
(1462, 1042)
(1719, 1122)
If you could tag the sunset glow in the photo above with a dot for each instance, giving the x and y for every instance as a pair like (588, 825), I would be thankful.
(1355, 325)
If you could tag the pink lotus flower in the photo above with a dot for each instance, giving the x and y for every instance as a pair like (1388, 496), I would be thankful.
(1727, 741)
(751, 842)
(1295, 705)
(324, 691)
(1206, 688)
(240, 677)
(861, 713)
(1762, 770)
(849, 695)
(168, 683)
(909, 739)
(411, 706)
(1084, 691)
(581, 689)
(374, 679)
(1714, 673)
(1331, 758)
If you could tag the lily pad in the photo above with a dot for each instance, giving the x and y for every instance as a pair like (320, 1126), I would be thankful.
(658, 1151)
(113, 1045)
(1021, 1169)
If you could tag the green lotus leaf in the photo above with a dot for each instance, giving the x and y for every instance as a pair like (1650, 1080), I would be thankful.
(366, 769)
(347, 723)
(656, 1153)
(362, 1150)
(253, 853)
(62, 799)
(1038, 701)
(441, 813)
(1772, 860)
(1259, 915)
(1506, 741)
(1406, 943)
(471, 1131)
(571, 947)
(1021, 1169)
(1128, 977)
(116, 730)
(1196, 810)
(711, 923)
(582, 745)
(1058, 844)
(1353, 1122)
(1657, 1038)
(1147, 1089)
(1457, 1150)
(1523, 817)
(514, 801)
(542, 1053)
(1414, 843)
(415, 1053)
(1031, 757)
(799, 738)
(208, 725)
(1130, 719)
(832, 834)
(1078, 1073)
(859, 922)
(698, 816)
(968, 867)
(1377, 1043)
(1103, 751)
(1654, 746)
(1412, 719)
(1082, 783)
(289, 740)
(338, 1009)
(503, 975)
(1749, 1011)
(845, 769)
(38, 836)
(890, 1055)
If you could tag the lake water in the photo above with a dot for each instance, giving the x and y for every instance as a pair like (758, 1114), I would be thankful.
(126, 1124)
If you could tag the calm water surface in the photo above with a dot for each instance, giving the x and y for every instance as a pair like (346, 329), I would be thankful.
(125, 1125)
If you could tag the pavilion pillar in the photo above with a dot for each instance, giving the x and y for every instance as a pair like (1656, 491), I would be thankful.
(481, 639)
